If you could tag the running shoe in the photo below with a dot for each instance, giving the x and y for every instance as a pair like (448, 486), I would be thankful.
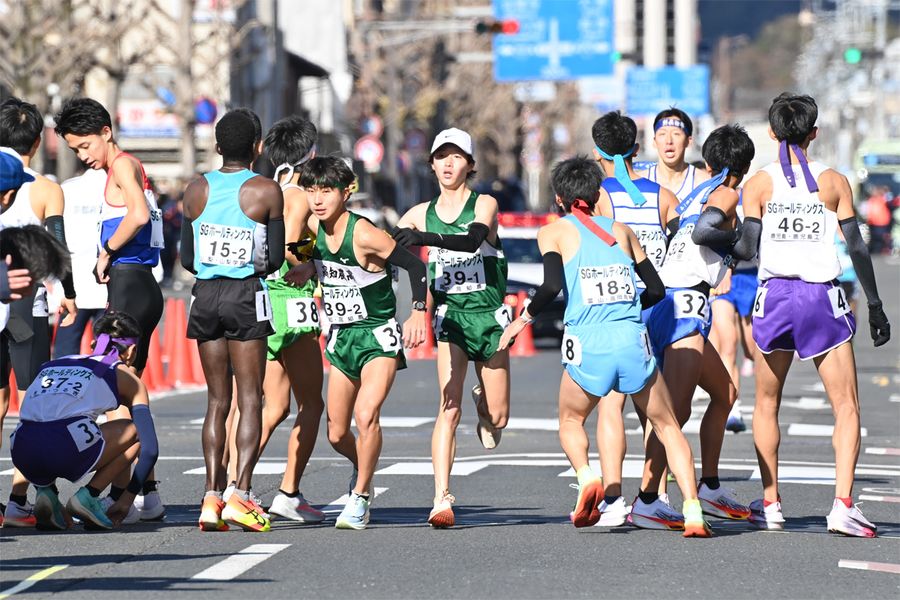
(355, 514)
(766, 517)
(721, 503)
(694, 524)
(353, 477)
(228, 492)
(245, 514)
(133, 516)
(656, 515)
(2, 510)
(296, 509)
(735, 421)
(850, 521)
(586, 513)
(150, 507)
(441, 515)
(614, 514)
(211, 514)
(256, 500)
(88, 509)
(488, 435)
(664, 498)
(49, 512)
(16, 515)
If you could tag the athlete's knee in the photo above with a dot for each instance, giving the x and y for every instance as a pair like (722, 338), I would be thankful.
(366, 420)
(450, 415)
(845, 408)
(311, 405)
(275, 415)
(337, 434)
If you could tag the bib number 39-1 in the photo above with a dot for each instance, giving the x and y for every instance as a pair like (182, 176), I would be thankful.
(302, 312)
(839, 304)
(85, 433)
(389, 336)
(571, 350)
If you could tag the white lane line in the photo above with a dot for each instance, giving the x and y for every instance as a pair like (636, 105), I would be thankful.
(884, 451)
(337, 506)
(879, 498)
(817, 475)
(423, 468)
(808, 430)
(30, 581)
(386, 422)
(869, 566)
(525, 424)
(237, 564)
(807, 403)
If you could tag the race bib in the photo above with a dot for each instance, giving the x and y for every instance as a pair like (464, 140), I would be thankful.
(605, 285)
(40, 307)
(156, 221)
(839, 304)
(343, 305)
(653, 241)
(439, 313)
(225, 245)
(691, 304)
(679, 243)
(85, 433)
(759, 303)
(794, 221)
(71, 381)
(571, 350)
(302, 312)
(503, 315)
(263, 306)
(459, 272)
(389, 336)
(645, 344)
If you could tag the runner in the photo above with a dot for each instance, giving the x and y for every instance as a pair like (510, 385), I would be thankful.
(698, 257)
(130, 238)
(468, 283)
(794, 208)
(365, 344)
(673, 133)
(644, 206)
(294, 360)
(58, 435)
(233, 235)
(605, 345)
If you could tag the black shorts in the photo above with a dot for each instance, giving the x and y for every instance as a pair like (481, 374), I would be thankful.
(133, 289)
(228, 308)
(21, 352)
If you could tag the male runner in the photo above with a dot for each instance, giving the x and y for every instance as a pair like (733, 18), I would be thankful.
(365, 344)
(233, 235)
(130, 238)
(673, 133)
(794, 207)
(605, 345)
(468, 284)
(58, 435)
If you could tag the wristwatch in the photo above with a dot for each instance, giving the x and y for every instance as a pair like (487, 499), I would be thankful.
(419, 305)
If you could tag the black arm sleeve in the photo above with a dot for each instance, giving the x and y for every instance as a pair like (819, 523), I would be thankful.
(672, 227)
(862, 260)
(747, 245)
(5, 292)
(187, 245)
(57, 229)
(418, 279)
(275, 244)
(553, 283)
(655, 290)
(707, 233)
(470, 242)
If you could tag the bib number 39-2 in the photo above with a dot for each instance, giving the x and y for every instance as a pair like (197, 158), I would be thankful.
(85, 433)
(571, 350)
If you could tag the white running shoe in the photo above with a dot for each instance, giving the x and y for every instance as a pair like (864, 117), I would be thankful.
(295, 509)
(150, 507)
(613, 515)
(657, 515)
(735, 420)
(721, 503)
(766, 517)
(850, 521)
(133, 516)
(17, 515)
(229, 490)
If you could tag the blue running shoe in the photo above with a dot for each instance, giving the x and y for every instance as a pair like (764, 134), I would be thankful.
(355, 514)
(89, 509)
(48, 510)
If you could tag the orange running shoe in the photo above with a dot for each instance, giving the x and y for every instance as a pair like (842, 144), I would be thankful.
(586, 512)
(441, 515)
(211, 515)
(245, 514)
(694, 524)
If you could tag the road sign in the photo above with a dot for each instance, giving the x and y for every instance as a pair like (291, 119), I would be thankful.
(557, 40)
(370, 150)
(649, 91)
(373, 126)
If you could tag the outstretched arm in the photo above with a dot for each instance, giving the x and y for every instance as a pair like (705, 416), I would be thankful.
(478, 231)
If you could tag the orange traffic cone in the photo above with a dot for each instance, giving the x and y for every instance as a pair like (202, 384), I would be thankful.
(170, 333)
(524, 345)
(180, 362)
(153, 376)
(87, 338)
(13, 410)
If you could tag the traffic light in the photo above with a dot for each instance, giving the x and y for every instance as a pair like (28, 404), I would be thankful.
(852, 56)
(505, 26)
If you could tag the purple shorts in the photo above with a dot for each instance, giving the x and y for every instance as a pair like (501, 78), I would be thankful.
(68, 448)
(792, 314)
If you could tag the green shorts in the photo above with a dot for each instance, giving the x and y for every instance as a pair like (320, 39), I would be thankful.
(350, 347)
(477, 333)
(294, 314)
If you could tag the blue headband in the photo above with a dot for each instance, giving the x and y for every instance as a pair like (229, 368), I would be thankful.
(670, 122)
(702, 191)
(622, 176)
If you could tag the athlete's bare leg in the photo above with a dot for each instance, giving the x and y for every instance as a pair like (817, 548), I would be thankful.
(611, 441)
(837, 368)
(575, 405)
(120, 449)
(452, 364)
(276, 400)
(376, 380)
(493, 375)
(715, 379)
(214, 359)
(724, 336)
(248, 359)
(771, 373)
(341, 396)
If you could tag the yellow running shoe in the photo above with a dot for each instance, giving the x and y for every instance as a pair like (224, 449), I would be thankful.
(245, 514)
(694, 524)
(211, 515)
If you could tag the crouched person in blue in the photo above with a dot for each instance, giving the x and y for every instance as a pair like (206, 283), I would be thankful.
(58, 435)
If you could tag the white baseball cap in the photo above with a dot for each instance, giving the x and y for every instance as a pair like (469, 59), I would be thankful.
(457, 137)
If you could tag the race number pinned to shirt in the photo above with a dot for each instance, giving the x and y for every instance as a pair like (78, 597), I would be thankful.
(389, 336)
(40, 307)
(71, 381)
(85, 433)
(343, 305)
(225, 245)
(794, 221)
(676, 251)
(302, 312)
(263, 306)
(653, 241)
(605, 285)
(691, 304)
(759, 303)
(839, 304)
(459, 272)
(645, 344)
(571, 350)
(156, 221)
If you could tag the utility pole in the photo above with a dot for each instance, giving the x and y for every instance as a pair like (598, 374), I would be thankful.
(184, 92)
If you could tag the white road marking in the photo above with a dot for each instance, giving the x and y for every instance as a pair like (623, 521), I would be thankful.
(387, 422)
(520, 423)
(425, 468)
(869, 566)
(813, 387)
(817, 475)
(237, 564)
(884, 451)
(809, 430)
(807, 403)
(895, 499)
(335, 507)
(30, 581)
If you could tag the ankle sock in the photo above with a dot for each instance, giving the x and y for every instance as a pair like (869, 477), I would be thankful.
(610, 499)
(289, 494)
(149, 486)
(711, 482)
(92, 491)
(20, 500)
(848, 502)
(648, 497)
(115, 492)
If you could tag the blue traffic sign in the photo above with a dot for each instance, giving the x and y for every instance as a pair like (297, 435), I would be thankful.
(648, 91)
(557, 39)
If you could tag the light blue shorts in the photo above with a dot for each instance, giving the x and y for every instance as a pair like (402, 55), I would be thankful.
(612, 356)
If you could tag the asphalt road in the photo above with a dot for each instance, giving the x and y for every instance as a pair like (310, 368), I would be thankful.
(513, 539)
